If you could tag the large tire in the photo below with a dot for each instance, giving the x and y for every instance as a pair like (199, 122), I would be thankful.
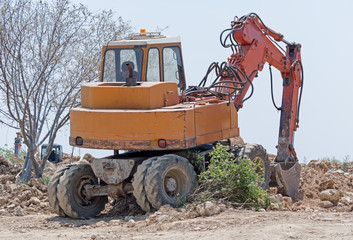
(52, 191)
(257, 153)
(169, 180)
(71, 193)
(138, 184)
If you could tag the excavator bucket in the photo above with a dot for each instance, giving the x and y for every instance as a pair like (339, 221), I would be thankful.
(286, 177)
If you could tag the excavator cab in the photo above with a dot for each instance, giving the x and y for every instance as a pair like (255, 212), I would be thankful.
(152, 56)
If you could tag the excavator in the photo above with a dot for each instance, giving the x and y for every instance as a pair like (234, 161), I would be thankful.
(141, 109)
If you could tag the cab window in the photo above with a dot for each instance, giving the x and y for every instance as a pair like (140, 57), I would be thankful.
(115, 68)
(172, 66)
(153, 68)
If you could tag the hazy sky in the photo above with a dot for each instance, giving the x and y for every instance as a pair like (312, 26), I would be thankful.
(324, 28)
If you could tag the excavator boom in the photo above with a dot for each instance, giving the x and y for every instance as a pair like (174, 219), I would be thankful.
(257, 44)
(253, 45)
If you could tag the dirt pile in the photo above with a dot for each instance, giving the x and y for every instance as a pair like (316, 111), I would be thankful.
(7, 168)
(324, 186)
(22, 199)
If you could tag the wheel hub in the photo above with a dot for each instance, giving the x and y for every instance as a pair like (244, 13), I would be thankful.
(81, 192)
(171, 184)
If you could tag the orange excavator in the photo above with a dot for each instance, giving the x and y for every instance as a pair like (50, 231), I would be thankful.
(143, 111)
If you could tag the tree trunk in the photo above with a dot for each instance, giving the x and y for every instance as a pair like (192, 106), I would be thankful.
(26, 169)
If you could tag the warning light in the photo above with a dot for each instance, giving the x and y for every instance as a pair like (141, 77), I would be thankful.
(143, 32)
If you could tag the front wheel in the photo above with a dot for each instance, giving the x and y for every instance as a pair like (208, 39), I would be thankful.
(72, 195)
(169, 180)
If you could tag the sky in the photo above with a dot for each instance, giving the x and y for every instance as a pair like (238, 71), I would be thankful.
(323, 28)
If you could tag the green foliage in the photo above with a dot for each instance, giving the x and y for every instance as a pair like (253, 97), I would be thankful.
(8, 153)
(345, 164)
(232, 180)
(46, 180)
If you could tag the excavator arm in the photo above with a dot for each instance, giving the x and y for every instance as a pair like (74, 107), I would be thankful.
(255, 46)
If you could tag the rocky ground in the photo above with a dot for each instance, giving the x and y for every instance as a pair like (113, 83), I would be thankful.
(323, 208)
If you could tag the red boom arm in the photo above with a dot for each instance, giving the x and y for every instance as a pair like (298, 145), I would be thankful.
(254, 49)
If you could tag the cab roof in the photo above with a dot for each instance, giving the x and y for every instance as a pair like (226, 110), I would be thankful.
(144, 39)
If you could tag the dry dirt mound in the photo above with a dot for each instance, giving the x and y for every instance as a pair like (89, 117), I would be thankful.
(324, 186)
(21, 199)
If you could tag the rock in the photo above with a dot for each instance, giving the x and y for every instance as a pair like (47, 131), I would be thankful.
(115, 222)
(292, 235)
(3, 201)
(87, 156)
(37, 183)
(5, 161)
(24, 196)
(43, 205)
(339, 171)
(287, 201)
(127, 218)
(3, 187)
(222, 207)
(11, 206)
(319, 165)
(273, 190)
(131, 223)
(346, 200)
(101, 224)
(326, 185)
(326, 204)
(19, 211)
(331, 195)
(34, 201)
(12, 187)
(6, 178)
(166, 209)
(207, 209)
(2, 211)
(164, 218)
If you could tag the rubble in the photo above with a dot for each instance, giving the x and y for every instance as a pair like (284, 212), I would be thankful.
(19, 199)
(324, 186)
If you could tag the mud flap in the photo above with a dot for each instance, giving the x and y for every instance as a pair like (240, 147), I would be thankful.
(286, 177)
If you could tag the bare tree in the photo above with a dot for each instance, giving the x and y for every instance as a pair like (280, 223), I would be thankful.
(47, 49)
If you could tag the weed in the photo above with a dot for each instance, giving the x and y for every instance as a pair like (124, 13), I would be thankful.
(232, 180)
(345, 164)
(8, 153)
(46, 180)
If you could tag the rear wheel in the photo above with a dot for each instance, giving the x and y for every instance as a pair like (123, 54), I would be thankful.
(52, 191)
(72, 195)
(258, 154)
(169, 180)
(138, 184)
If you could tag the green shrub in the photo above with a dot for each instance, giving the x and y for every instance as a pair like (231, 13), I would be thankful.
(46, 180)
(233, 180)
(8, 153)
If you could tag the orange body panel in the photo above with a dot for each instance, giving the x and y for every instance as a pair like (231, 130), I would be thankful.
(182, 125)
(146, 95)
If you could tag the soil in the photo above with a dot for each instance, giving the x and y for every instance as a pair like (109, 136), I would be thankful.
(322, 209)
